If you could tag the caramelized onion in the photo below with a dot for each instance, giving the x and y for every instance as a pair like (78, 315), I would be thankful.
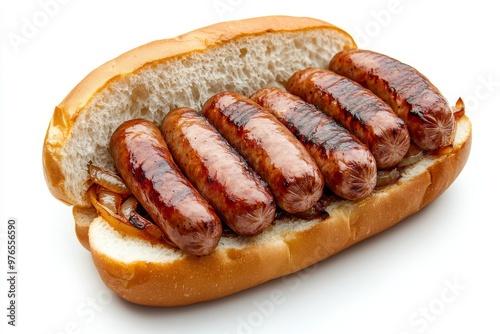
(128, 207)
(459, 108)
(317, 211)
(388, 177)
(109, 199)
(414, 155)
(103, 210)
(312, 213)
(129, 211)
(108, 180)
(122, 224)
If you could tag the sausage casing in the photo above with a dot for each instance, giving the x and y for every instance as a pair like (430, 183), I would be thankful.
(348, 167)
(357, 109)
(239, 196)
(270, 149)
(411, 95)
(146, 165)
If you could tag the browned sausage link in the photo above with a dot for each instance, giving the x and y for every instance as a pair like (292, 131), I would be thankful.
(146, 165)
(239, 196)
(347, 165)
(357, 109)
(410, 94)
(270, 149)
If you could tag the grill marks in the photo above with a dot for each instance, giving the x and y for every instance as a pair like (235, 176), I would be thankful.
(410, 94)
(348, 167)
(357, 109)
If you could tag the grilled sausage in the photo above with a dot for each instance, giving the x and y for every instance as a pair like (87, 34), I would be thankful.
(411, 95)
(146, 165)
(239, 196)
(357, 109)
(348, 167)
(270, 149)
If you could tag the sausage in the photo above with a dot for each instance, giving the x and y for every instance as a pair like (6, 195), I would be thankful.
(239, 196)
(270, 149)
(411, 95)
(142, 158)
(357, 109)
(348, 167)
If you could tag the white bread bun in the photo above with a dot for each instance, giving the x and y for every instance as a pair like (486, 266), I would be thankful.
(149, 81)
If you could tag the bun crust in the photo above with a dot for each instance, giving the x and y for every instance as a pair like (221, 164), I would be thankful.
(152, 79)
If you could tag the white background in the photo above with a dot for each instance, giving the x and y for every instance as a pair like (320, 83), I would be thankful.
(436, 272)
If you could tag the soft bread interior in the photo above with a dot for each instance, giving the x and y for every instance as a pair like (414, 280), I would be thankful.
(243, 64)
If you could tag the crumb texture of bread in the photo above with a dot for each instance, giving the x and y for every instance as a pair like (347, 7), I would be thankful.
(149, 81)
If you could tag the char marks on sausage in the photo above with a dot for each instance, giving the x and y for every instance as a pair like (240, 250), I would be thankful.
(270, 149)
(348, 167)
(239, 196)
(147, 168)
(411, 95)
(357, 109)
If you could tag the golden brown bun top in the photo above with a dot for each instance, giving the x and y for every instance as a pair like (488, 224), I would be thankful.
(95, 85)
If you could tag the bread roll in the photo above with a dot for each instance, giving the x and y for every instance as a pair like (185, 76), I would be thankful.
(152, 79)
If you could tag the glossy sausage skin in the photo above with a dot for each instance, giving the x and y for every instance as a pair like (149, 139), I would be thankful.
(239, 196)
(146, 165)
(357, 109)
(270, 149)
(411, 95)
(348, 167)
